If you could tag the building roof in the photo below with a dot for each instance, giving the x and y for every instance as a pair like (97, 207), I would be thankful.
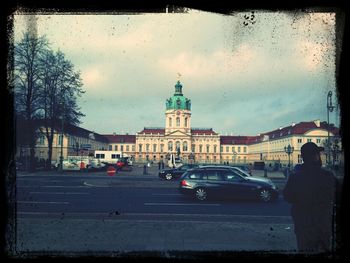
(81, 132)
(178, 100)
(237, 139)
(120, 138)
(203, 131)
(301, 128)
(294, 129)
(152, 130)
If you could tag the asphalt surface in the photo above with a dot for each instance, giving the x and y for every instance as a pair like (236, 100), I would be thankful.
(92, 212)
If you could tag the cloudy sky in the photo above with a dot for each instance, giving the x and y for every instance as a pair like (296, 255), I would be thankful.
(245, 73)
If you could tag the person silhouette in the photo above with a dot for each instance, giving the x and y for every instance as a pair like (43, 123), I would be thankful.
(311, 190)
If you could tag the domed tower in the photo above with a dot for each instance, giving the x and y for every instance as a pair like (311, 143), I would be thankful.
(178, 112)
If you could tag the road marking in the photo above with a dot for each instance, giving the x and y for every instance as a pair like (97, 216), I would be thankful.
(91, 185)
(62, 186)
(50, 186)
(37, 202)
(59, 193)
(168, 194)
(169, 204)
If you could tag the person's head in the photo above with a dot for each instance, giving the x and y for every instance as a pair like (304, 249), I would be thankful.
(310, 153)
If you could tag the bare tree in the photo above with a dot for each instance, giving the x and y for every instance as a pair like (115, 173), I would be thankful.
(27, 54)
(61, 87)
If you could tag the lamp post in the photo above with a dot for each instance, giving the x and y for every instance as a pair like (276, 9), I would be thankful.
(289, 150)
(330, 108)
(61, 156)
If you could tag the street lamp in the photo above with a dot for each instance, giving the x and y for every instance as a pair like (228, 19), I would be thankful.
(61, 156)
(289, 150)
(330, 108)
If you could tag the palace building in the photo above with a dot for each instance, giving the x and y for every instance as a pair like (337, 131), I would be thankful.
(197, 145)
(204, 145)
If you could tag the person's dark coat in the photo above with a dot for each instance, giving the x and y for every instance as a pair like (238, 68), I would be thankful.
(311, 192)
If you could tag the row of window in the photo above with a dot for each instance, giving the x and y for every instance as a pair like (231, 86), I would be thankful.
(178, 122)
(234, 149)
(318, 140)
(121, 148)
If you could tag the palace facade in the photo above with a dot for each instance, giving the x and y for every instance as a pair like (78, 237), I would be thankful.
(204, 145)
(198, 145)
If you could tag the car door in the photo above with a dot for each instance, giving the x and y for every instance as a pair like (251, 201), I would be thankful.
(236, 186)
(215, 182)
(180, 171)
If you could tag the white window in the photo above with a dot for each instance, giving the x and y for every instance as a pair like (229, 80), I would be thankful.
(184, 147)
(177, 145)
(177, 121)
(170, 146)
(170, 122)
(60, 139)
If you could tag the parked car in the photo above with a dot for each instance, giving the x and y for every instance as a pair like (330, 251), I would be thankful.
(234, 168)
(175, 173)
(204, 183)
(244, 167)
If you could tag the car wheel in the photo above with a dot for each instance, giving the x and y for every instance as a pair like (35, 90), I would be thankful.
(201, 194)
(168, 176)
(265, 195)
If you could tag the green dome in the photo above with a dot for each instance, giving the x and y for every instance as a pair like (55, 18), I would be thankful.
(178, 101)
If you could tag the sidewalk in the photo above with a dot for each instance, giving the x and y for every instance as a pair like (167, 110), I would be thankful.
(111, 236)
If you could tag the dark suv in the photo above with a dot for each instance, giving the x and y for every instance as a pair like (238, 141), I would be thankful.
(207, 182)
(175, 173)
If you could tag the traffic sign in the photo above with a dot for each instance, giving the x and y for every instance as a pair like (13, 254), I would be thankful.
(111, 171)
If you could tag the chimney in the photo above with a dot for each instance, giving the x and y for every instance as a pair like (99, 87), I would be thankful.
(317, 123)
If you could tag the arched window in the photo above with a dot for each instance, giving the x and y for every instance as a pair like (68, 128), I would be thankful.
(184, 147)
(170, 122)
(170, 146)
(186, 122)
(177, 145)
(208, 148)
(178, 121)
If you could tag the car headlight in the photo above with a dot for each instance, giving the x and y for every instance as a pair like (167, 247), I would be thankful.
(162, 172)
(273, 186)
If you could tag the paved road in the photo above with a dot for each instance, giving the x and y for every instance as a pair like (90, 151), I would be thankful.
(79, 212)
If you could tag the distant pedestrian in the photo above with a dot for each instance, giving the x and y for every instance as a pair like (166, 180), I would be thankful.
(159, 165)
(311, 192)
(162, 164)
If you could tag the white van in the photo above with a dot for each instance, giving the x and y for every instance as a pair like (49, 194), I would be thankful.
(109, 157)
